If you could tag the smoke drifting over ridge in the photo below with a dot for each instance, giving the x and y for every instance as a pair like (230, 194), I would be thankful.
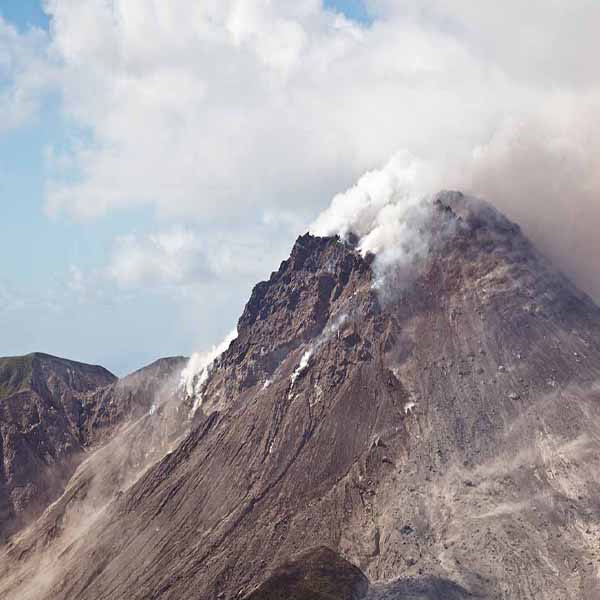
(543, 173)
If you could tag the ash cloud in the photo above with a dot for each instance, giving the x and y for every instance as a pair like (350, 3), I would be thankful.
(542, 171)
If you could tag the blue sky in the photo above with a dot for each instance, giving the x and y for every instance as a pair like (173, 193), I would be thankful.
(24, 13)
(353, 9)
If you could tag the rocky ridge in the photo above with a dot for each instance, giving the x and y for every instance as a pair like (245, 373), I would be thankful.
(52, 412)
(41, 411)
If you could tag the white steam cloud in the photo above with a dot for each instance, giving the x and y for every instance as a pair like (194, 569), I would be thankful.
(304, 363)
(196, 372)
(387, 211)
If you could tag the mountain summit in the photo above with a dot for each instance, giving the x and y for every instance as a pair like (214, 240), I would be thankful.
(432, 422)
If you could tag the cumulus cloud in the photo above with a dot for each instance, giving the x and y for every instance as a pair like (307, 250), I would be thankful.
(189, 257)
(213, 110)
(174, 257)
(548, 43)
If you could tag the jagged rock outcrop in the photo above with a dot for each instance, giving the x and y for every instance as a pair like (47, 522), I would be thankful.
(441, 435)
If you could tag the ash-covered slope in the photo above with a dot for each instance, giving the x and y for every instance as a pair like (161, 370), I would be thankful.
(130, 398)
(53, 411)
(41, 406)
(441, 433)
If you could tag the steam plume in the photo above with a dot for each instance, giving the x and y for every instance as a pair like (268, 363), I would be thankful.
(198, 369)
(387, 211)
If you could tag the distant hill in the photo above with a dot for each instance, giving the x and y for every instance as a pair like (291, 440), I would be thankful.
(41, 414)
(53, 409)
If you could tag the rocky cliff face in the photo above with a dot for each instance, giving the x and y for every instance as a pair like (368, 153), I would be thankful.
(440, 434)
(42, 402)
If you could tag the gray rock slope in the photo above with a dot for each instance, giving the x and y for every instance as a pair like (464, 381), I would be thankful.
(444, 441)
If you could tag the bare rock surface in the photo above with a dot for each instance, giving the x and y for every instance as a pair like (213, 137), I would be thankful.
(443, 437)
(41, 408)
(53, 411)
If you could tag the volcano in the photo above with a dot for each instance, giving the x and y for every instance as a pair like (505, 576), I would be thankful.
(430, 435)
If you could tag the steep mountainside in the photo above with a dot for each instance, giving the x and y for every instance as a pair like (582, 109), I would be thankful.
(130, 398)
(441, 434)
(51, 411)
(41, 410)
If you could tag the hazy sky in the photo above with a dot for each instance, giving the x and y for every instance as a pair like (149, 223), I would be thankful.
(158, 158)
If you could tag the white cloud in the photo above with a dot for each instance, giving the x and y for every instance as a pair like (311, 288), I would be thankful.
(25, 74)
(210, 109)
(171, 258)
(217, 108)
(189, 258)
(547, 42)
(214, 110)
